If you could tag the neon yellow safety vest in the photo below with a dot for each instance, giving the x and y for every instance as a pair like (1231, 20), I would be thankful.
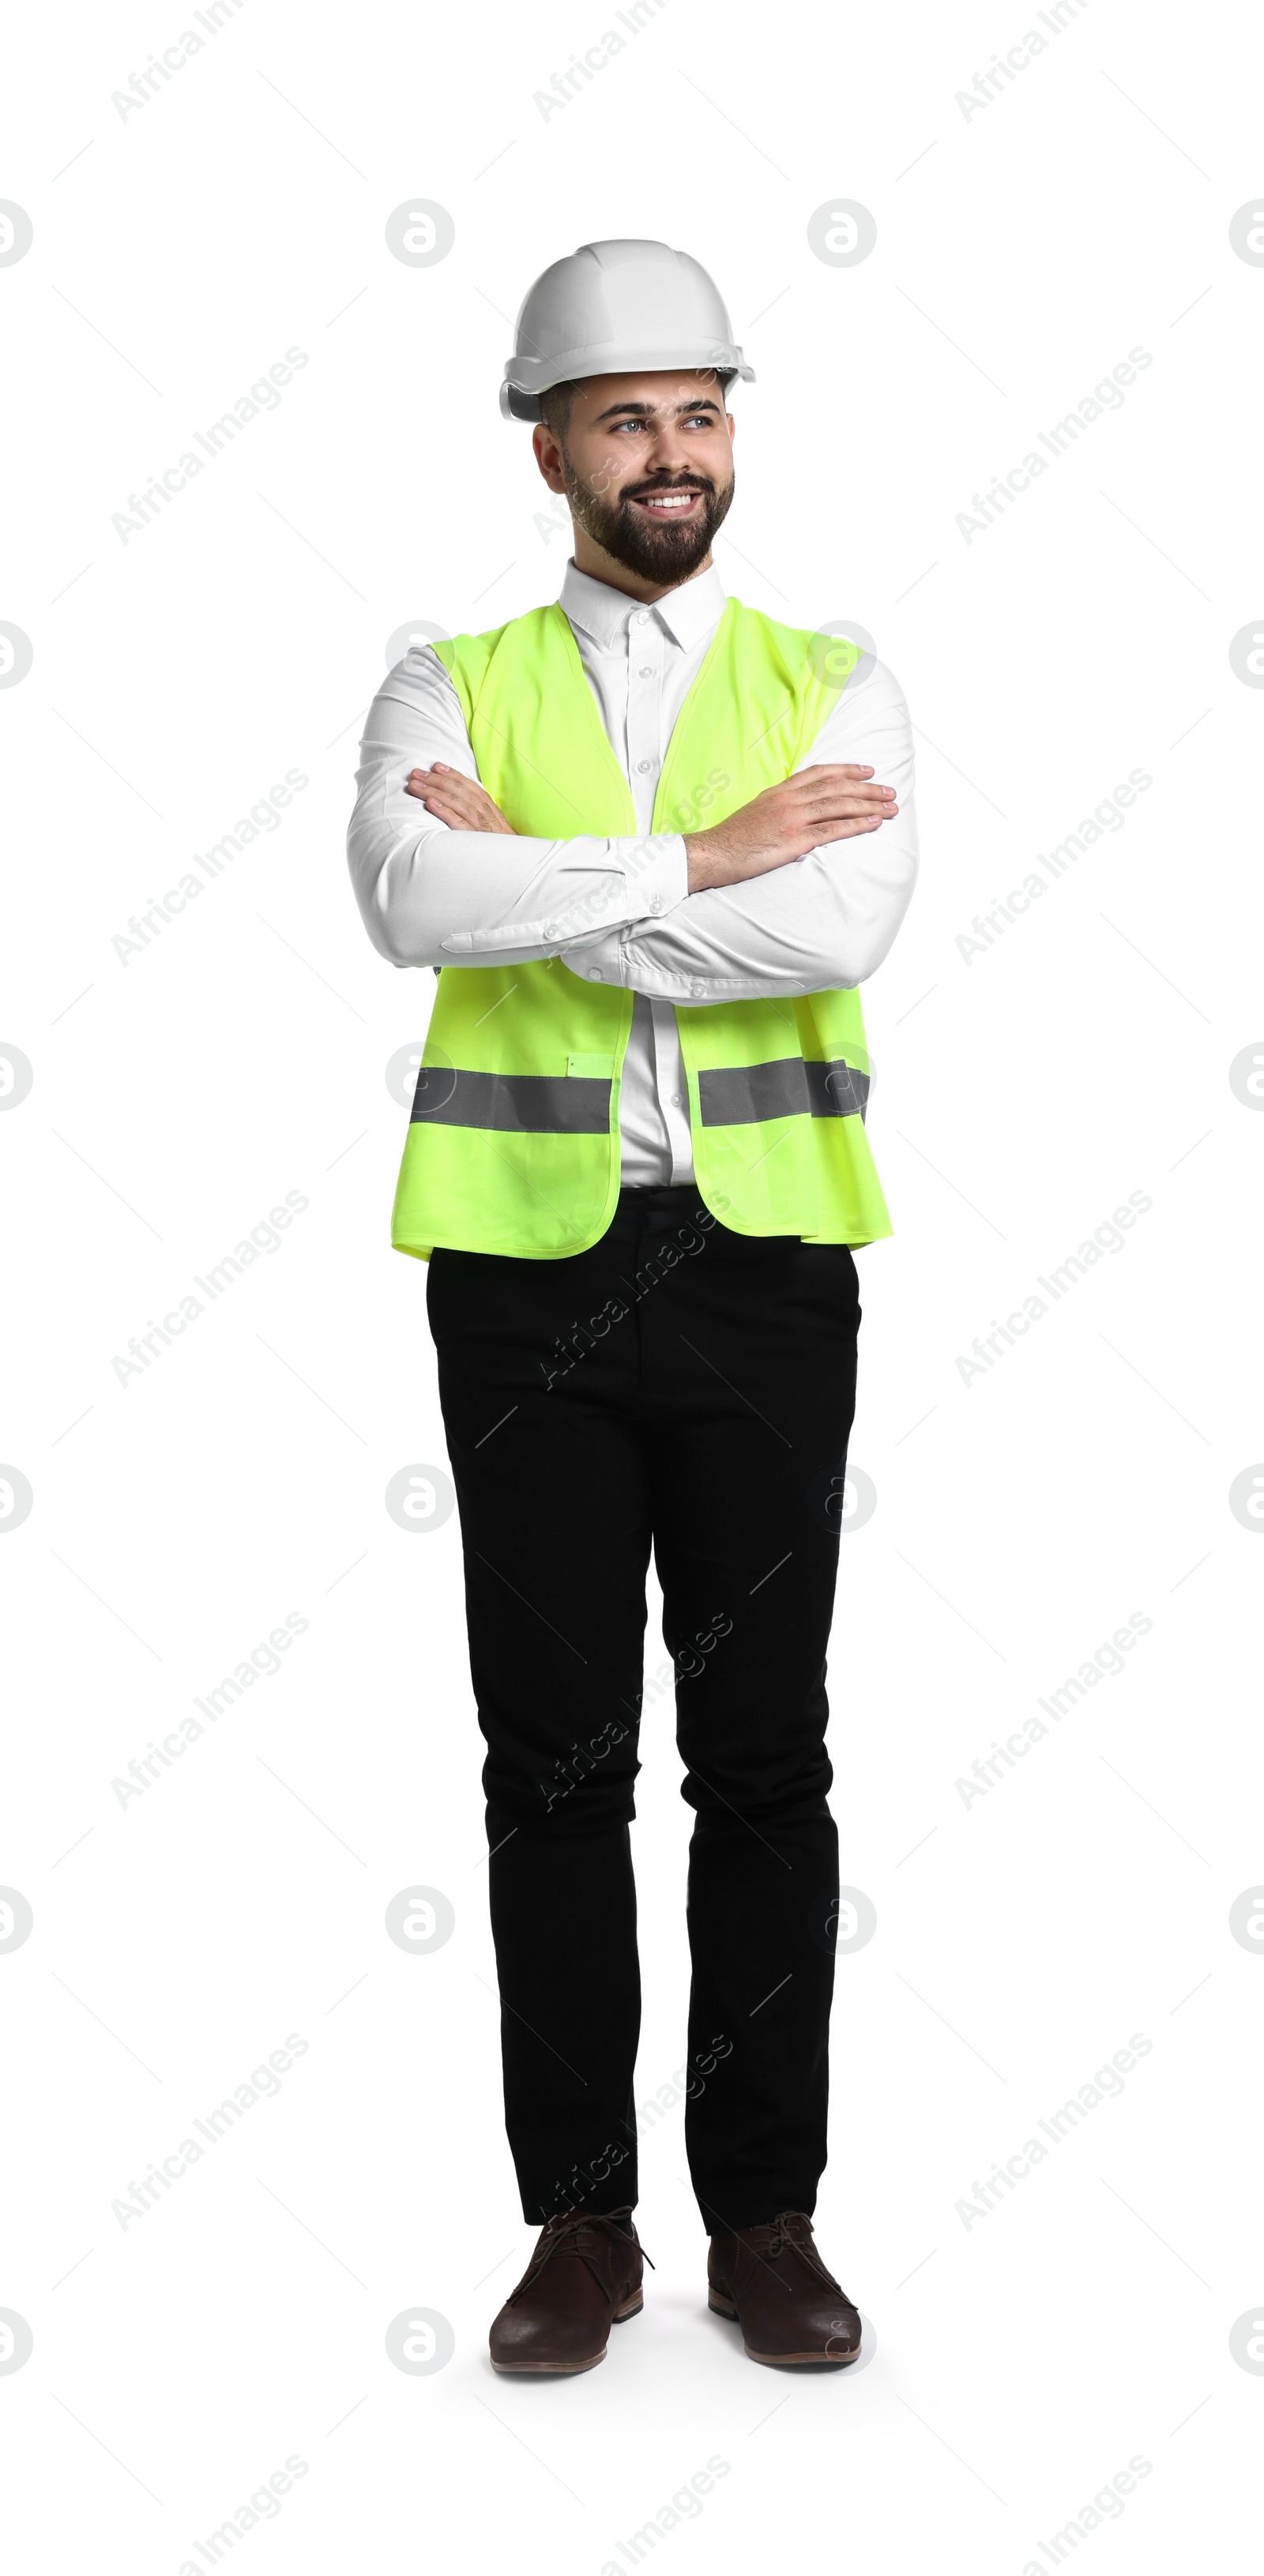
(513, 1145)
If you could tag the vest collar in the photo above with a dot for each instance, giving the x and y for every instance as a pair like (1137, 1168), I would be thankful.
(689, 614)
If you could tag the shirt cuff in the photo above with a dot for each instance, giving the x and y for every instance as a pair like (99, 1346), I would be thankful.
(655, 880)
(597, 958)
(655, 877)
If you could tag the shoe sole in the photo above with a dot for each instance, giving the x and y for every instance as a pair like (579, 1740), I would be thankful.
(568, 2369)
(838, 2360)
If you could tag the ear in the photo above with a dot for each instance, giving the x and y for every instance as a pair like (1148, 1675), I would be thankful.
(732, 425)
(548, 456)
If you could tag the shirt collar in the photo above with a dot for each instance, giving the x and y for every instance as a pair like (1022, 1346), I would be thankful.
(689, 613)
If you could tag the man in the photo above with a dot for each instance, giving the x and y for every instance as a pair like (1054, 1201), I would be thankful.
(637, 1167)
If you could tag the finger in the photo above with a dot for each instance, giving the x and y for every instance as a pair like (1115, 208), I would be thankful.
(831, 782)
(455, 779)
(468, 800)
(464, 805)
(835, 769)
(444, 812)
(838, 827)
(846, 827)
(835, 783)
(855, 801)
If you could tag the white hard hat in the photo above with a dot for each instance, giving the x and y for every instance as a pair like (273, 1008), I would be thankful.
(613, 306)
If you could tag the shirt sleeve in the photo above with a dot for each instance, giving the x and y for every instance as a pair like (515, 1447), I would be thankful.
(820, 922)
(430, 896)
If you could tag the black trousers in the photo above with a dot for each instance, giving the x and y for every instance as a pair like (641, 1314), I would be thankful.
(689, 1388)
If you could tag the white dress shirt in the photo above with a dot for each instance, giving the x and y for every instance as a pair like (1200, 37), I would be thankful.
(620, 910)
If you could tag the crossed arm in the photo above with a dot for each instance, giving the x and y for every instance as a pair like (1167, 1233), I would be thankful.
(803, 888)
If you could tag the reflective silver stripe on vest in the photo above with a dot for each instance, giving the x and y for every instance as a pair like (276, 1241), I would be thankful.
(535, 1104)
(738, 1095)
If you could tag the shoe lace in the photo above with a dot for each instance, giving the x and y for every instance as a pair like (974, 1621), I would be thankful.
(575, 2231)
(792, 2231)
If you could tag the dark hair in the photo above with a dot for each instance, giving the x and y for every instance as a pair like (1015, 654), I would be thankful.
(555, 406)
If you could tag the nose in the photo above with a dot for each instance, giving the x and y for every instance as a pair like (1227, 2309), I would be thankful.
(668, 451)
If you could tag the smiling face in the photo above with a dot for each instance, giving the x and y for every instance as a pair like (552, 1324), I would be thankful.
(646, 464)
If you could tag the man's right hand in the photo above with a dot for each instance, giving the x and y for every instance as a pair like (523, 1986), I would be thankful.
(826, 803)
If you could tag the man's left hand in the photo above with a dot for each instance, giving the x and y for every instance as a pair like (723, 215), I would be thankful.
(458, 801)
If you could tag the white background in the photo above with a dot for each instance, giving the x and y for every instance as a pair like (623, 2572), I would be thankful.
(1022, 1939)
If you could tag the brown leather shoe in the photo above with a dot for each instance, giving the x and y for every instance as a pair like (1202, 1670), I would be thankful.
(584, 2276)
(772, 2279)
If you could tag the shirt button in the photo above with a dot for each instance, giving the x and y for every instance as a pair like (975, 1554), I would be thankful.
(641, 617)
(646, 764)
(595, 975)
(646, 671)
(677, 1100)
(656, 903)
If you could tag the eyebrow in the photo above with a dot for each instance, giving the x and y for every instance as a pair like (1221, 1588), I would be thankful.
(647, 411)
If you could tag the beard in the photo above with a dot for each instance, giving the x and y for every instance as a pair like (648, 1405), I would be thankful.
(657, 549)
